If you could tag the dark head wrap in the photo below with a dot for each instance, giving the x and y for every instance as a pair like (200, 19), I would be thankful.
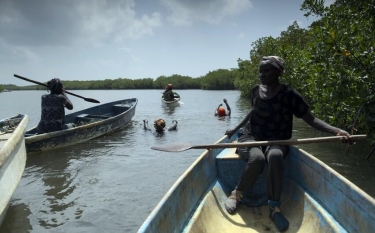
(276, 61)
(55, 85)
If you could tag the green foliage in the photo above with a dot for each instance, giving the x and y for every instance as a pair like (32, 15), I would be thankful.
(219, 80)
(246, 77)
(331, 63)
(342, 62)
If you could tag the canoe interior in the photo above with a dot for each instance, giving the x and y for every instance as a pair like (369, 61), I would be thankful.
(176, 95)
(89, 123)
(315, 198)
(94, 114)
(9, 124)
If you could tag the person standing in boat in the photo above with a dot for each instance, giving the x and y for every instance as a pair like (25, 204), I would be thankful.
(220, 111)
(159, 125)
(271, 118)
(53, 108)
(168, 94)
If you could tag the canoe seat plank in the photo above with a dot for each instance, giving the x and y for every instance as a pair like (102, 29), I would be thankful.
(119, 108)
(89, 117)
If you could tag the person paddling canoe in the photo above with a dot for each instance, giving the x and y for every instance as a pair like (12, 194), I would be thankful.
(168, 94)
(271, 118)
(53, 108)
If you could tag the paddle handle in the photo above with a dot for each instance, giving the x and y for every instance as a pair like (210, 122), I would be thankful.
(68, 92)
(29, 80)
(43, 84)
(278, 142)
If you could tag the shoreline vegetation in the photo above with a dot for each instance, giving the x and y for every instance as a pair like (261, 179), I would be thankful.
(331, 63)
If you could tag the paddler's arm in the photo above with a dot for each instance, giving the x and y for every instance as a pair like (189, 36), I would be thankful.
(230, 132)
(217, 109)
(68, 104)
(322, 126)
(226, 103)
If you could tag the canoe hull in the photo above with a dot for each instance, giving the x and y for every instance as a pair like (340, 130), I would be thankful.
(315, 199)
(174, 103)
(115, 115)
(12, 163)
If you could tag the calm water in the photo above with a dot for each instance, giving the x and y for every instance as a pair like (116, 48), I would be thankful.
(112, 183)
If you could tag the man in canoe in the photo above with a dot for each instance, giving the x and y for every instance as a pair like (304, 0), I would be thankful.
(159, 125)
(168, 93)
(53, 108)
(271, 118)
(220, 111)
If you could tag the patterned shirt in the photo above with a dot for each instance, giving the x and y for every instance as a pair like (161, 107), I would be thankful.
(168, 95)
(272, 119)
(53, 113)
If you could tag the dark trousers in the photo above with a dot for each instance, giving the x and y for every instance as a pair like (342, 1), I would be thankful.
(256, 158)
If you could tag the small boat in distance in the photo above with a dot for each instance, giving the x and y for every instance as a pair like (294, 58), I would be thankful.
(172, 103)
(12, 158)
(315, 198)
(89, 123)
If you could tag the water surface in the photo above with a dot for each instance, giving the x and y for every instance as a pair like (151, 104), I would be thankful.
(112, 183)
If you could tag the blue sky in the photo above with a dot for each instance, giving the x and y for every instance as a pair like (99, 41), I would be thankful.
(109, 39)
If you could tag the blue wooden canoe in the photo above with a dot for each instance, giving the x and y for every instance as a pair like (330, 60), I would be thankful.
(315, 198)
(90, 123)
(12, 158)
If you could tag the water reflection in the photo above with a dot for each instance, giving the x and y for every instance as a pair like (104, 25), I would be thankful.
(19, 224)
(169, 110)
(112, 183)
(57, 178)
(57, 173)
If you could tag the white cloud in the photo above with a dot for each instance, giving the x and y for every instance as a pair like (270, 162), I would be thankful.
(26, 54)
(103, 20)
(125, 49)
(44, 22)
(16, 53)
(129, 52)
(241, 35)
(103, 63)
(209, 11)
(134, 58)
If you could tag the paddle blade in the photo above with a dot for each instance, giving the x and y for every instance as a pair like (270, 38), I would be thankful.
(176, 147)
(91, 100)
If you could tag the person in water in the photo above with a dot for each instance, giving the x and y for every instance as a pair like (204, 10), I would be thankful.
(271, 118)
(220, 111)
(168, 94)
(53, 108)
(159, 125)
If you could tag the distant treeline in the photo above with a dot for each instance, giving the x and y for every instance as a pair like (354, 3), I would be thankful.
(221, 79)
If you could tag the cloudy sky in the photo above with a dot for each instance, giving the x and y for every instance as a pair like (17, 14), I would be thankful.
(109, 39)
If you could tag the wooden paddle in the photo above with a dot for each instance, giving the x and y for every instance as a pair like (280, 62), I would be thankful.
(178, 147)
(39, 83)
